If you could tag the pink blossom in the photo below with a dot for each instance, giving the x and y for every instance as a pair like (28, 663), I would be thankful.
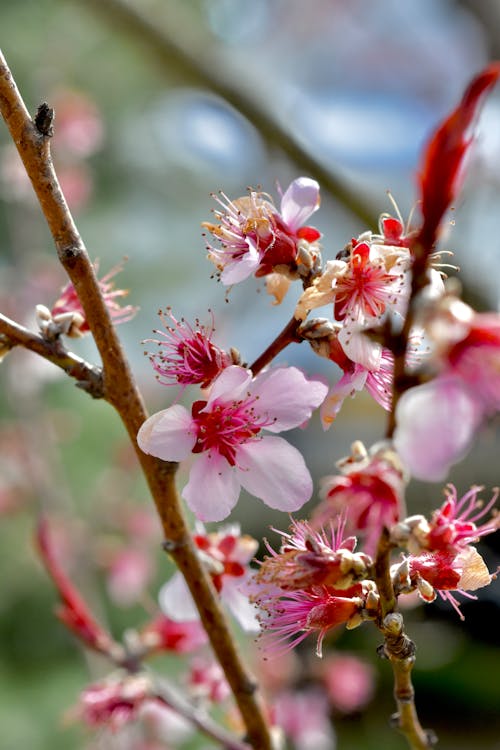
(377, 380)
(445, 571)
(349, 682)
(369, 490)
(435, 426)
(454, 523)
(226, 555)
(224, 433)
(437, 421)
(69, 304)
(128, 575)
(255, 238)
(310, 557)
(187, 355)
(373, 280)
(291, 616)
(114, 702)
(166, 634)
(303, 716)
(206, 681)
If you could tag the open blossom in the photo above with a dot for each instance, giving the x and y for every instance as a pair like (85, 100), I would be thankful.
(255, 237)
(187, 355)
(437, 421)
(226, 555)
(310, 557)
(452, 526)
(369, 489)
(442, 558)
(166, 634)
(288, 617)
(224, 434)
(114, 702)
(68, 312)
(304, 718)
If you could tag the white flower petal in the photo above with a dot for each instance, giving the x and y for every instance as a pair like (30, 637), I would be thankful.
(348, 383)
(176, 601)
(274, 471)
(287, 396)
(300, 200)
(241, 268)
(234, 597)
(360, 348)
(168, 434)
(436, 423)
(213, 488)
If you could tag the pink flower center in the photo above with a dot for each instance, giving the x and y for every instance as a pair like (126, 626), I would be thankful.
(364, 287)
(226, 427)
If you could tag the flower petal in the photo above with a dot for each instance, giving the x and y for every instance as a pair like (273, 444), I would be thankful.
(287, 396)
(360, 348)
(348, 383)
(274, 471)
(234, 597)
(230, 385)
(176, 601)
(241, 267)
(168, 434)
(436, 423)
(300, 200)
(213, 488)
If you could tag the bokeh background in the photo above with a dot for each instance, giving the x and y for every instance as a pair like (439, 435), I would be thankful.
(158, 104)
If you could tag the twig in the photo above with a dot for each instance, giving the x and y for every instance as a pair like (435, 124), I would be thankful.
(162, 690)
(89, 376)
(400, 651)
(287, 336)
(180, 44)
(121, 391)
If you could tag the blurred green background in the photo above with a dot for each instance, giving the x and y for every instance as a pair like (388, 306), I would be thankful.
(148, 99)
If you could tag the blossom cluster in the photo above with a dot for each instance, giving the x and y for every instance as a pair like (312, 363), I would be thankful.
(395, 327)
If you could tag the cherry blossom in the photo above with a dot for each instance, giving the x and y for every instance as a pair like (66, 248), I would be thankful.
(114, 702)
(288, 617)
(303, 716)
(310, 557)
(437, 421)
(67, 312)
(369, 489)
(187, 355)
(226, 554)
(255, 238)
(224, 433)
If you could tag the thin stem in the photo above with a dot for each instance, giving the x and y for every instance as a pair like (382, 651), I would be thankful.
(89, 376)
(400, 650)
(179, 43)
(121, 391)
(162, 690)
(287, 336)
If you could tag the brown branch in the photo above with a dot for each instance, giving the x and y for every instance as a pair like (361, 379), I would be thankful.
(180, 43)
(287, 336)
(399, 650)
(122, 393)
(89, 376)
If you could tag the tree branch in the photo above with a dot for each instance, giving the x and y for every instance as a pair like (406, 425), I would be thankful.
(89, 376)
(121, 391)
